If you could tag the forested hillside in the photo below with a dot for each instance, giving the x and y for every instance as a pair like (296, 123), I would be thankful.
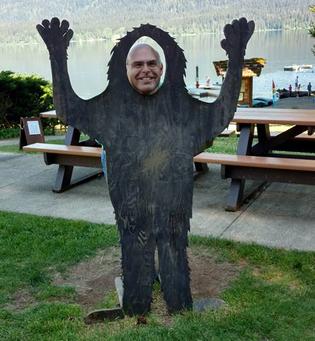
(106, 18)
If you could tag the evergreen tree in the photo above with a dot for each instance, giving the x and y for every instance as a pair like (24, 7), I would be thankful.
(106, 18)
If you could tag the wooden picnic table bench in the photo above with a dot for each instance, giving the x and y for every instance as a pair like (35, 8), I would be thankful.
(75, 153)
(259, 160)
(68, 156)
(263, 158)
(249, 161)
(263, 168)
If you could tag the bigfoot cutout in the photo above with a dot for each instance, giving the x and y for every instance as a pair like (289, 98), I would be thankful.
(150, 140)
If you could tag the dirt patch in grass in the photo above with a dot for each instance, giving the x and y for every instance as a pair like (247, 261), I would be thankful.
(94, 278)
(20, 300)
(209, 276)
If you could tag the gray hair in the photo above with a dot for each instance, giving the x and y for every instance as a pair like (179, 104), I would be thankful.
(141, 46)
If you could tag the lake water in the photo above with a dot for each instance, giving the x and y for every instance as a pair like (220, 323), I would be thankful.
(88, 61)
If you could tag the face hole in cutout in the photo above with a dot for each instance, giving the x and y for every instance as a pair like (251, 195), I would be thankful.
(145, 66)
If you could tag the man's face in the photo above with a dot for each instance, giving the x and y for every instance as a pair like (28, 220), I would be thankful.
(144, 70)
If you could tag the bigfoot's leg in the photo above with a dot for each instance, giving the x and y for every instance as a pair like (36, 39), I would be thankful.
(175, 281)
(137, 248)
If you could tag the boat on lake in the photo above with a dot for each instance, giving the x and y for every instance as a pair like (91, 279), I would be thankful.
(298, 68)
(215, 86)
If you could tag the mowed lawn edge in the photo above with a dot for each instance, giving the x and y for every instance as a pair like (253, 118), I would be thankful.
(273, 298)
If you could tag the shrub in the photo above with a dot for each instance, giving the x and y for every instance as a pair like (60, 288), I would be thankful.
(22, 96)
(7, 133)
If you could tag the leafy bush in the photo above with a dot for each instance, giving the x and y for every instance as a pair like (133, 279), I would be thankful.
(22, 96)
(7, 133)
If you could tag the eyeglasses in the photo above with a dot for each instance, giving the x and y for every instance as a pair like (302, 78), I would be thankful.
(151, 64)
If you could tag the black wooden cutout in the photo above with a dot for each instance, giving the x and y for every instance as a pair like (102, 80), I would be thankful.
(150, 142)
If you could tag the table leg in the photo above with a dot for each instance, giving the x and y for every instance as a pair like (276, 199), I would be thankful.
(263, 145)
(283, 141)
(63, 178)
(73, 136)
(64, 173)
(235, 196)
(201, 168)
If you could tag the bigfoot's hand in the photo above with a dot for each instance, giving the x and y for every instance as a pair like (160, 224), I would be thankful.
(55, 35)
(237, 35)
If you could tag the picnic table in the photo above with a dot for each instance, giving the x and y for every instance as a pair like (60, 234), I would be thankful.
(258, 155)
(73, 153)
(262, 158)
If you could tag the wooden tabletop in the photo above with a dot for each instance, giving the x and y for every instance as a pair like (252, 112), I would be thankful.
(64, 149)
(305, 117)
(48, 114)
(258, 115)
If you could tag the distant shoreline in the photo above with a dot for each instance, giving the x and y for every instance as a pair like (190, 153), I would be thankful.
(116, 37)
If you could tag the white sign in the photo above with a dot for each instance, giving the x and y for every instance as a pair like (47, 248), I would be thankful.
(33, 127)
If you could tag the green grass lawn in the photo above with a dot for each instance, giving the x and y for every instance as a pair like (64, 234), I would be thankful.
(226, 145)
(273, 297)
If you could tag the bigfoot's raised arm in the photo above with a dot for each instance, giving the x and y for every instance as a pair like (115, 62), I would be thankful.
(70, 108)
(215, 117)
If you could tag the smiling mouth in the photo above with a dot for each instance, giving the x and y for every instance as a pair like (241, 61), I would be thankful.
(146, 78)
